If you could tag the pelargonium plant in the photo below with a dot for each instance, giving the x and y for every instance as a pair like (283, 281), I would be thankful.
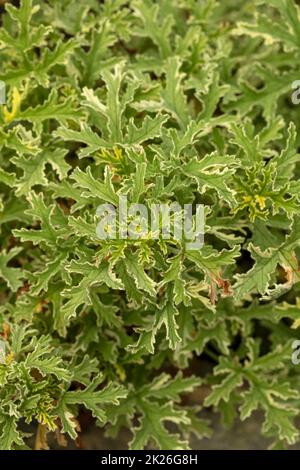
(159, 102)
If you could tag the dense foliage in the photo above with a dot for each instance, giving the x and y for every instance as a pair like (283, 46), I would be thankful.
(186, 101)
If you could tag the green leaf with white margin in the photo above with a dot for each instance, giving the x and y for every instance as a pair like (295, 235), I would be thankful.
(114, 107)
(216, 333)
(151, 427)
(10, 436)
(33, 168)
(86, 136)
(286, 31)
(164, 386)
(83, 228)
(95, 274)
(78, 295)
(181, 140)
(153, 26)
(167, 317)
(147, 336)
(12, 276)
(50, 109)
(50, 58)
(209, 261)
(138, 186)
(174, 276)
(21, 140)
(232, 380)
(141, 279)
(44, 277)
(213, 161)
(217, 178)
(150, 128)
(173, 98)
(249, 144)
(94, 399)
(258, 277)
(7, 178)
(27, 36)
(275, 85)
(102, 38)
(43, 358)
(287, 158)
(152, 422)
(48, 232)
(103, 191)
